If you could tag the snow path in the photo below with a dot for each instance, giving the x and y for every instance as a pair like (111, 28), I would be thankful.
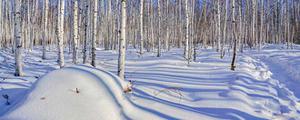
(289, 105)
(284, 66)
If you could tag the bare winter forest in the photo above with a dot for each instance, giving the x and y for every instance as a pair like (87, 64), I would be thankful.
(190, 59)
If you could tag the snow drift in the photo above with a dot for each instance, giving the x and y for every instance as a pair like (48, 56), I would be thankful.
(77, 93)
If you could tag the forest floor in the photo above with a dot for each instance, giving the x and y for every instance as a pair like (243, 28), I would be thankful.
(265, 84)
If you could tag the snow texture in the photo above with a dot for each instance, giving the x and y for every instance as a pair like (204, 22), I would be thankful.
(265, 85)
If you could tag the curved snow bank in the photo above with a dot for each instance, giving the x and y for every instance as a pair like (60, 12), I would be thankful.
(77, 93)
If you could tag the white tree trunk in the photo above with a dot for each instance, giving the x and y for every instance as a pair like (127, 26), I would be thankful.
(234, 36)
(180, 25)
(18, 40)
(44, 41)
(287, 24)
(86, 21)
(240, 27)
(167, 39)
(94, 32)
(28, 29)
(11, 26)
(253, 20)
(224, 30)
(261, 24)
(218, 25)
(152, 24)
(75, 31)
(121, 61)
(186, 49)
(141, 27)
(159, 34)
(27, 33)
(35, 25)
(60, 28)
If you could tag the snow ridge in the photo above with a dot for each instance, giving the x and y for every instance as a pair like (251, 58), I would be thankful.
(89, 93)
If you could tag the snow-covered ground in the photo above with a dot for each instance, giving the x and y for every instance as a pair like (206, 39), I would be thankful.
(264, 86)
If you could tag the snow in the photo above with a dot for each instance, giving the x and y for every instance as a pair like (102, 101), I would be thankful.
(264, 86)
(54, 97)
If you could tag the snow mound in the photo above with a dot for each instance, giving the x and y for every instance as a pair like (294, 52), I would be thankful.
(77, 93)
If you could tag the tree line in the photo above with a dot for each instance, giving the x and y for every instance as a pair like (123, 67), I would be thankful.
(81, 26)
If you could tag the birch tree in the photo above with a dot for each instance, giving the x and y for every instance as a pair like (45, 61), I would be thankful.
(121, 60)
(186, 49)
(224, 30)
(241, 32)
(218, 25)
(187, 24)
(261, 24)
(60, 28)
(254, 21)
(141, 27)
(167, 45)
(287, 25)
(35, 24)
(159, 27)
(234, 36)
(75, 31)
(28, 28)
(46, 9)
(18, 38)
(85, 41)
(151, 24)
(94, 32)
